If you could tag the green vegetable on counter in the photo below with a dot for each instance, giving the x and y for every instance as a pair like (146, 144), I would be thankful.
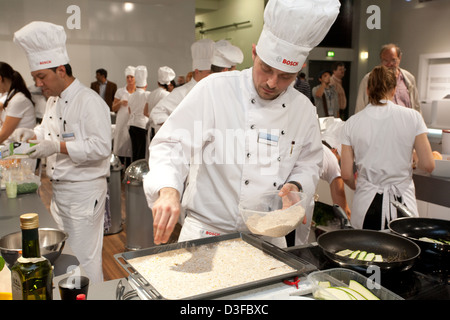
(27, 187)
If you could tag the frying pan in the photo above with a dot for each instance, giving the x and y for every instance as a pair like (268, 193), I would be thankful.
(399, 253)
(415, 228)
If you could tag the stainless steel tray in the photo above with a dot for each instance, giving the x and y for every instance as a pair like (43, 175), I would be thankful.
(300, 266)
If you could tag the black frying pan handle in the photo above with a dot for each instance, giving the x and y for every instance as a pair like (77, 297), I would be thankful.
(342, 216)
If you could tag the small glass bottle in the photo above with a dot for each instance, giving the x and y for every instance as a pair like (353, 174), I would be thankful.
(31, 275)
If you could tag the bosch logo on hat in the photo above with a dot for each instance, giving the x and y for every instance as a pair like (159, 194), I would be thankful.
(286, 62)
(290, 63)
(45, 62)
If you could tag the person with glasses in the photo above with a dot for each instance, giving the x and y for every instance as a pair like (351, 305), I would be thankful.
(406, 93)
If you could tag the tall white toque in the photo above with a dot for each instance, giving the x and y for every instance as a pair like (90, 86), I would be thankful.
(292, 28)
(140, 76)
(166, 75)
(44, 44)
(202, 52)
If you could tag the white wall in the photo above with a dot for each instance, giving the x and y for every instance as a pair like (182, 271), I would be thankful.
(155, 33)
(230, 12)
(420, 28)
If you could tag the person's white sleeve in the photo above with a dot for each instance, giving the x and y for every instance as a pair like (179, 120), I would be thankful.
(164, 108)
(172, 147)
(330, 169)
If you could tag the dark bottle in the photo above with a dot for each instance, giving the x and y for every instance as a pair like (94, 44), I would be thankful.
(31, 275)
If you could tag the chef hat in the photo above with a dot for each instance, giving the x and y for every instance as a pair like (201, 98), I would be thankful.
(221, 57)
(226, 55)
(292, 28)
(141, 76)
(130, 71)
(44, 44)
(236, 55)
(202, 52)
(165, 75)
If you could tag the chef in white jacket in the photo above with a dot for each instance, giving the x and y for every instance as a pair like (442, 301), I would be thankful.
(75, 137)
(202, 52)
(240, 134)
(165, 77)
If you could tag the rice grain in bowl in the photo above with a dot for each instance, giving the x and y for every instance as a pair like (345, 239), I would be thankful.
(270, 215)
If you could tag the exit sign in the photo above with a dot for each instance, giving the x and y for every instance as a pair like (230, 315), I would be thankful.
(330, 54)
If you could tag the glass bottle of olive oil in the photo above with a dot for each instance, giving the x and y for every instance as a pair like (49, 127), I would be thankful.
(31, 275)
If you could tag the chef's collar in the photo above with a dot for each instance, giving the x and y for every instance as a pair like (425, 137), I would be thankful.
(68, 93)
(254, 94)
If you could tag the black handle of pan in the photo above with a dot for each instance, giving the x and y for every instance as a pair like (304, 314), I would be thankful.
(342, 216)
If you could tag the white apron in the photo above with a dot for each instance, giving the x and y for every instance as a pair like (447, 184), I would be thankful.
(366, 191)
(122, 140)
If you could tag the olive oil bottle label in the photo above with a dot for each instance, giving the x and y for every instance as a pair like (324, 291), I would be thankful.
(16, 286)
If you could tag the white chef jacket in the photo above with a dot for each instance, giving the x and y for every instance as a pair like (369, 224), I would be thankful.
(79, 118)
(136, 103)
(256, 145)
(155, 96)
(382, 138)
(122, 140)
(164, 108)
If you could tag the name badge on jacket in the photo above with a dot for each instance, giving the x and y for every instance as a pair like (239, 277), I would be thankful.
(68, 136)
(267, 138)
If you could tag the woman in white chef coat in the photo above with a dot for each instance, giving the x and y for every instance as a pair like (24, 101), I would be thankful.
(240, 134)
(18, 108)
(165, 85)
(122, 140)
(137, 123)
(380, 141)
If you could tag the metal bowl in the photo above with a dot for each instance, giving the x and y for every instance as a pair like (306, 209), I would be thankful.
(51, 243)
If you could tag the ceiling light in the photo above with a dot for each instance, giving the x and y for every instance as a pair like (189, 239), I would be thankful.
(128, 6)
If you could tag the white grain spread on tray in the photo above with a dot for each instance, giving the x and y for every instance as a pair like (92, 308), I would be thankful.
(277, 223)
(184, 273)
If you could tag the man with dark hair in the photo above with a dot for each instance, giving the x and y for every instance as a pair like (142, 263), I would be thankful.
(338, 70)
(105, 88)
(302, 85)
(325, 96)
(75, 138)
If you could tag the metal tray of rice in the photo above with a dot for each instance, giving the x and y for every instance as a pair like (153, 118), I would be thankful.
(210, 267)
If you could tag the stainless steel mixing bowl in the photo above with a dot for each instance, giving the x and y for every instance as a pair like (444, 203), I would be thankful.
(51, 242)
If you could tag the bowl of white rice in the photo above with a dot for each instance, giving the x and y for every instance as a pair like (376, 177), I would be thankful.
(273, 216)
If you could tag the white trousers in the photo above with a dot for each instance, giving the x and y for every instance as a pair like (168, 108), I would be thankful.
(79, 209)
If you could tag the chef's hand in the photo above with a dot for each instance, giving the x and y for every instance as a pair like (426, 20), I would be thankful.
(166, 211)
(289, 201)
(43, 148)
(22, 134)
